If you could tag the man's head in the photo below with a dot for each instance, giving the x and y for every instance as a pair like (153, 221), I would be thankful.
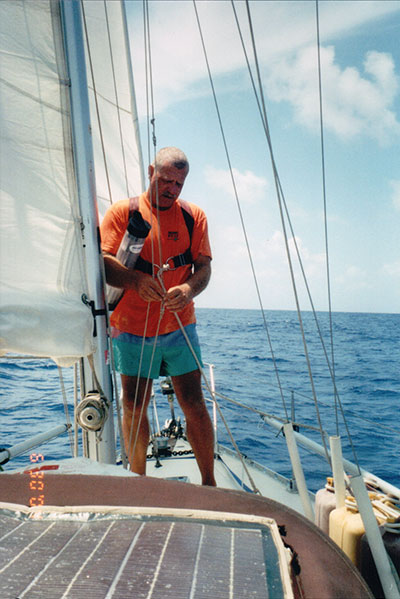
(167, 176)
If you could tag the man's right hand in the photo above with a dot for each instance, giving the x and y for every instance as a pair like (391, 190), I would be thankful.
(118, 275)
(148, 288)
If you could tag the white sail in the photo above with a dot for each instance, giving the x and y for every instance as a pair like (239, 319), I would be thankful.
(42, 263)
(118, 161)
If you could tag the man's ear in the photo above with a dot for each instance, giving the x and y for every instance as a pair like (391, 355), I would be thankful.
(151, 171)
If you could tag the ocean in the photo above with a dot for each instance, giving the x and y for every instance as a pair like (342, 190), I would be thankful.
(367, 374)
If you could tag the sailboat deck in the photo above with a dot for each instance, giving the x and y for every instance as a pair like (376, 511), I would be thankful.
(123, 556)
(324, 569)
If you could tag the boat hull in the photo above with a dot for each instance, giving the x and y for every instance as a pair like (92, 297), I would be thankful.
(325, 572)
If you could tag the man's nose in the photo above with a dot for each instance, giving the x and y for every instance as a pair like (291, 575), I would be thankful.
(174, 189)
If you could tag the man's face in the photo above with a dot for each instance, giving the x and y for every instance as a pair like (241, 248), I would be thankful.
(166, 183)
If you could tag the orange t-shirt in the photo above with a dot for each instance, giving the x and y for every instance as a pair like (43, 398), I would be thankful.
(130, 314)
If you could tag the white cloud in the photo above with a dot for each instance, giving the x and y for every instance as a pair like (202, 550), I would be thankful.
(351, 279)
(353, 102)
(392, 269)
(250, 188)
(282, 30)
(395, 185)
(232, 282)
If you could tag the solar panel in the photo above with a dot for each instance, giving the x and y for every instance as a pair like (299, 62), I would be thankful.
(120, 554)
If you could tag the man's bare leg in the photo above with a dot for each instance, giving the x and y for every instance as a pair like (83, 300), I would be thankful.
(136, 449)
(198, 422)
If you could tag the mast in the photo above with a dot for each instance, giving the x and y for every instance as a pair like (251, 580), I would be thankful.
(100, 447)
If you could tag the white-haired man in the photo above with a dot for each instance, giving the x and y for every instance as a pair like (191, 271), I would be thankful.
(179, 237)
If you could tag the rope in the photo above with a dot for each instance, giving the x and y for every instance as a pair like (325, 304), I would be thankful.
(147, 380)
(325, 212)
(150, 120)
(282, 201)
(65, 401)
(117, 100)
(159, 275)
(280, 205)
(96, 102)
(113, 371)
(216, 403)
(76, 429)
(240, 210)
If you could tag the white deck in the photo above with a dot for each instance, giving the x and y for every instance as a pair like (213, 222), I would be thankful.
(229, 474)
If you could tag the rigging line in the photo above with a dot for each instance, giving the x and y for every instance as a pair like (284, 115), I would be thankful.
(103, 150)
(240, 210)
(112, 364)
(76, 429)
(117, 403)
(150, 121)
(266, 129)
(325, 207)
(337, 398)
(265, 125)
(67, 417)
(149, 107)
(384, 427)
(207, 384)
(139, 370)
(82, 387)
(338, 401)
(248, 66)
(268, 415)
(327, 405)
(330, 363)
(146, 77)
(149, 78)
(148, 379)
(277, 185)
(137, 384)
(117, 100)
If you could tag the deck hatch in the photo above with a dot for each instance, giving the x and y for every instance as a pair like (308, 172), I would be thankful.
(180, 555)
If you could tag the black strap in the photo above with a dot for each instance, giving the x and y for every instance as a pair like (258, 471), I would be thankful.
(183, 259)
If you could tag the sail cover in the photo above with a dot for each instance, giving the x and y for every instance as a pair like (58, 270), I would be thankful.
(43, 273)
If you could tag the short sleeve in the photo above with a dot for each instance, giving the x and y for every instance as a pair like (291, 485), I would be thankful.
(200, 239)
(113, 226)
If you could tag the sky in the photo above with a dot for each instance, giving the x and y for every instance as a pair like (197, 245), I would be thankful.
(360, 82)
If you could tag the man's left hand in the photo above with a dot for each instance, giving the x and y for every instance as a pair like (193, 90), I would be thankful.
(178, 297)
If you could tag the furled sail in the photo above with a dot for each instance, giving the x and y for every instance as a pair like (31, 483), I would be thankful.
(43, 272)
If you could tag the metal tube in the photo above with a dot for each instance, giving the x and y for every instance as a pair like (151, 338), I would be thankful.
(298, 470)
(212, 386)
(102, 449)
(337, 470)
(387, 574)
(349, 466)
(35, 441)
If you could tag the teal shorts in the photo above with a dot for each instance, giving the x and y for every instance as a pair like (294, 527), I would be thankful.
(172, 355)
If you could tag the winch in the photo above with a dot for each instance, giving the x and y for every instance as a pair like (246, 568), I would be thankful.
(92, 411)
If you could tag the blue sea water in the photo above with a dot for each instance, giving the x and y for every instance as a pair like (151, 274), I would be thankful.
(367, 359)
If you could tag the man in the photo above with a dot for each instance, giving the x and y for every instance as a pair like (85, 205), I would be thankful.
(150, 303)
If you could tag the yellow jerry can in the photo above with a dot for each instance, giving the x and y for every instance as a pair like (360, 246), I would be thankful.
(346, 529)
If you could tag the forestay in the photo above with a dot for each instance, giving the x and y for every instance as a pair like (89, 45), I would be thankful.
(42, 271)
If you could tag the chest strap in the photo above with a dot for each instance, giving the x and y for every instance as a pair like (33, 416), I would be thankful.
(183, 259)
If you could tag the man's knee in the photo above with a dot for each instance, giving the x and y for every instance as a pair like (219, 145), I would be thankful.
(188, 390)
(135, 391)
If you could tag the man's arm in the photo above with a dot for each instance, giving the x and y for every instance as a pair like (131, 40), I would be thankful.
(119, 276)
(178, 297)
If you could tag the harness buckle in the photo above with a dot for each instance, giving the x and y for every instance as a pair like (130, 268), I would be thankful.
(166, 266)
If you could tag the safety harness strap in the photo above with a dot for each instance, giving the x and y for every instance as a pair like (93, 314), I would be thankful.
(183, 259)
